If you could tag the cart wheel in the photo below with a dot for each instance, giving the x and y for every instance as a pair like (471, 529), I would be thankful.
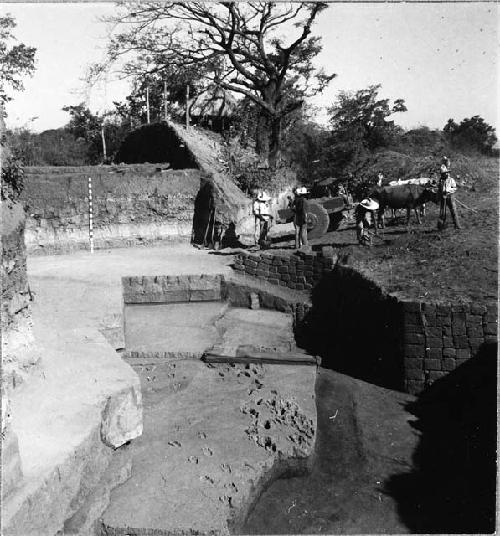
(317, 220)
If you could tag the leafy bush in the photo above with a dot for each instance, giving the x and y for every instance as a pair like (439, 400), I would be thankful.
(12, 178)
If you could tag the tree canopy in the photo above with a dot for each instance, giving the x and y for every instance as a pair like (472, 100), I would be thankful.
(472, 134)
(16, 60)
(238, 45)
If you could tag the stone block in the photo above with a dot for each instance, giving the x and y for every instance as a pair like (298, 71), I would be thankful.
(414, 350)
(458, 315)
(442, 309)
(471, 319)
(414, 338)
(447, 331)
(478, 309)
(433, 359)
(428, 308)
(475, 332)
(461, 342)
(413, 363)
(299, 286)
(251, 263)
(273, 281)
(285, 277)
(463, 353)
(434, 342)
(262, 273)
(449, 352)
(490, 328)
(273, 269)
(307, 286)
(458, 330)
(449, 363)
(431, 320)
(282, 269)
(447, 342)
(434, 332)
(490, 317)
(413, 328)
(121, 418)
(443, 320)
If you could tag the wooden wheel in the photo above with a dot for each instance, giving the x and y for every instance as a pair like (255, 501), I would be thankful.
(317, 220)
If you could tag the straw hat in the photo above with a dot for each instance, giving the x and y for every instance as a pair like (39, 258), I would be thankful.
(301, 191)
(369, 204)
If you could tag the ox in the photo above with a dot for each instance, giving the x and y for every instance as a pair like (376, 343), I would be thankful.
(408, 196)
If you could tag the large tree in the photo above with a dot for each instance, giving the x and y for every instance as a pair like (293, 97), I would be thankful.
(238, 45)
(16, 60)
(472, 133)
(361, 123)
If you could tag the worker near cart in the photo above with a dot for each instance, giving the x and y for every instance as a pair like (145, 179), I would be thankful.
(299, 207)
(263, 218)
(364, 212)
(447, 188)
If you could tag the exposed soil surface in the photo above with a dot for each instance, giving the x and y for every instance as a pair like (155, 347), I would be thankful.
(356, 451)
(421, 262)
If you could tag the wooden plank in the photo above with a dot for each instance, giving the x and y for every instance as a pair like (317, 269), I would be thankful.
(273, 358)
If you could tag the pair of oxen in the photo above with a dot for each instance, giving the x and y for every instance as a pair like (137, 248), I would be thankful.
(410, 194)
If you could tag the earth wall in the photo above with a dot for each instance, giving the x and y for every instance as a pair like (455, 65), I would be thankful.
(131, 205)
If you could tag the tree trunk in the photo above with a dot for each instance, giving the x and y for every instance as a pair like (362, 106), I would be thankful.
(275, 142)
(262, 135)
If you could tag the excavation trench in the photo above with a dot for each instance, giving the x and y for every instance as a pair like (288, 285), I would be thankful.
(265, 448)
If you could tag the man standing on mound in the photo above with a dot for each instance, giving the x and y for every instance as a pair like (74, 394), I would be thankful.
(447, 189)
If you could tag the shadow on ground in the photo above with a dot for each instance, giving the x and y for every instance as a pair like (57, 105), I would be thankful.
(451, 488)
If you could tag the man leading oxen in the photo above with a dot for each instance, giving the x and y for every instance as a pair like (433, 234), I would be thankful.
(408, 196)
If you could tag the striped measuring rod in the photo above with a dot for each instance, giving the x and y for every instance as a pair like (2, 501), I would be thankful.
(91, 218)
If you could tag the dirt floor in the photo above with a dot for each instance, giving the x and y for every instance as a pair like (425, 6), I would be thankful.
(420, 262)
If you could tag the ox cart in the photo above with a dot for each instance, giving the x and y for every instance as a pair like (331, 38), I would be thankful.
(323, 214)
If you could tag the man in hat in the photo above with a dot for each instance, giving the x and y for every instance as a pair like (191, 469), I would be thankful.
(362, 214)
(447, 189)
(299, 207)
(262, 213)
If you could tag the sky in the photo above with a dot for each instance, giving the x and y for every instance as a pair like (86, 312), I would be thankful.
(442, 58)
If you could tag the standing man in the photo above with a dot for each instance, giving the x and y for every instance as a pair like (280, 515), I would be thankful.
(447, 189)
(299, 207)
(262, 213)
